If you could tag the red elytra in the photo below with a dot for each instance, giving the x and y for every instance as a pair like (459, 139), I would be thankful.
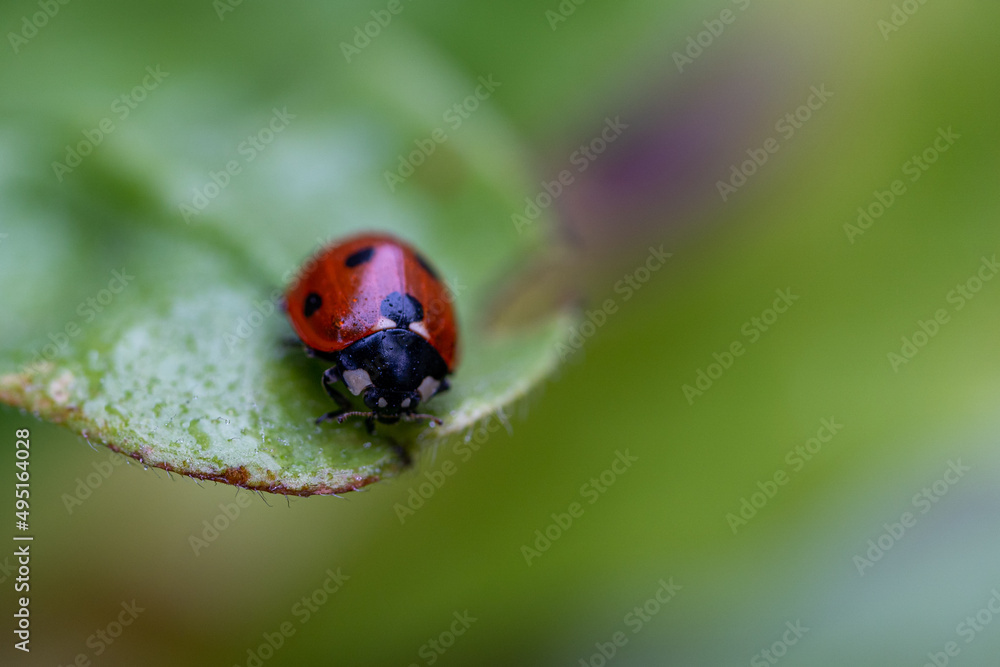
(352, 295)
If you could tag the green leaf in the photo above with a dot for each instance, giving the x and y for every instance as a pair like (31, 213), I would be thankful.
(142, 287)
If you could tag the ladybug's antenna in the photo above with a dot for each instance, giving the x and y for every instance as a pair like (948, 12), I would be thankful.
(412, 417)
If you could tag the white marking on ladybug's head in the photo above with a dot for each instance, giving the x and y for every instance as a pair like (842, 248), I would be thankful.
(428, 387)
(420, 329)
(382, 402)
(405, 403)
(384, 323)
(357, 380)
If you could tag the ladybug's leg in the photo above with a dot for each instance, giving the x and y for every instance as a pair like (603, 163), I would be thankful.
(404, 456)
(370, 424)
(330, 378)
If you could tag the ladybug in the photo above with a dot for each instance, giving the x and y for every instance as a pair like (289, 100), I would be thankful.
(376, 309)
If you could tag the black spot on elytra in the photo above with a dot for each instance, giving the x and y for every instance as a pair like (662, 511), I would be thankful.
(359, 257)
(313, 303)
(403, 310)
(427, 267)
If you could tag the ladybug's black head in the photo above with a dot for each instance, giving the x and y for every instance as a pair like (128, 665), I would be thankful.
(388, 404)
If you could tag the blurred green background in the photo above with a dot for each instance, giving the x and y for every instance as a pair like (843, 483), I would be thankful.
(667, 517)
